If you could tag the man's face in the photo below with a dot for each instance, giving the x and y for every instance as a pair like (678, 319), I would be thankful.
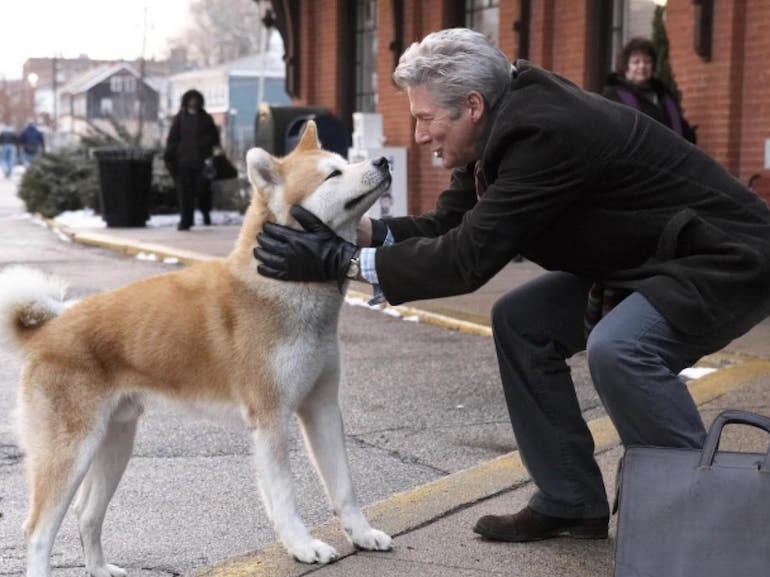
(639, 69)
(452, 137)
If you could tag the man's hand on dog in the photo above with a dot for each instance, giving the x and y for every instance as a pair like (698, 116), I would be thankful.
(315, 254)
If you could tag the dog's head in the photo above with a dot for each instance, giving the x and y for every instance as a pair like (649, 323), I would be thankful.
(337, 192)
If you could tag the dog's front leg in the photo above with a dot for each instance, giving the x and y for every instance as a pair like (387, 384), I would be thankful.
(275, 483)
(322, 424)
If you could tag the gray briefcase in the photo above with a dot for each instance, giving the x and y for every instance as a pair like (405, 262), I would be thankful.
(693, 513)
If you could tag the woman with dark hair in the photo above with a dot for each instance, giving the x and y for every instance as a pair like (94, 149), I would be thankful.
(191, 140)
(634, 84)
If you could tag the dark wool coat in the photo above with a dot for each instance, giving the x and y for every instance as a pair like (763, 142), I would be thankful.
(579, 183)
(192, 137)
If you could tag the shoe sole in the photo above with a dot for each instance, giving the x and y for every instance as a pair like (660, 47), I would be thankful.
(573, 532)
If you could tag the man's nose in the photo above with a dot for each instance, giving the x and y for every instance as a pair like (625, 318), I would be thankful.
(421, 136)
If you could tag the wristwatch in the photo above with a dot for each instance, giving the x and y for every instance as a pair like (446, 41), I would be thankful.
(354, 268)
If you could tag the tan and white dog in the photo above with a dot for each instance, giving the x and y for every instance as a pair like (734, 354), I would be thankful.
(216, 334)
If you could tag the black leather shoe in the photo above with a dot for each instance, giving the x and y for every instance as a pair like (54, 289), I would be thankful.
(183, 226)
(529, 525)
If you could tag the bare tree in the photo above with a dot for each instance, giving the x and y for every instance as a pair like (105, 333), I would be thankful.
(222, 30)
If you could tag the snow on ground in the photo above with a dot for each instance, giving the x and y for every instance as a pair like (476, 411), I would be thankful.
(87, 218)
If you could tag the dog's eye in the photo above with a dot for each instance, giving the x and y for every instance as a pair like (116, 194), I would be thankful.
(334, 173)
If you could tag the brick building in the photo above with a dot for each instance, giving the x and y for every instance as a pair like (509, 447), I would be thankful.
(341, 53)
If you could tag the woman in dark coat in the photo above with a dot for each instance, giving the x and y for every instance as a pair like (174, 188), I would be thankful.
(191, 140)
(634, 84)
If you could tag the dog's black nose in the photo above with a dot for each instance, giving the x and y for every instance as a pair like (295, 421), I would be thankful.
(381, 162)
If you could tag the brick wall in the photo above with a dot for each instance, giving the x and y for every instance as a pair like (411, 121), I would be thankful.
(319, 53)
(728, 97)
(569, 39)
(755, 118)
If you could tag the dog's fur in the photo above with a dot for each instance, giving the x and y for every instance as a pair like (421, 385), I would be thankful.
(216, 334)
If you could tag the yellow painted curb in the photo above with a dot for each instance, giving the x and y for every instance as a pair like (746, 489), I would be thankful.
(431, 318)
(184, 257)
(409, 510)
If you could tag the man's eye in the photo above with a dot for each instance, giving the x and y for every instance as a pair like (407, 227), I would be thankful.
(334, 173)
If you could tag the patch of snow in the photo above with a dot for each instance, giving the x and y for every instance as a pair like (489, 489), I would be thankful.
(87, 218)
(696, 372)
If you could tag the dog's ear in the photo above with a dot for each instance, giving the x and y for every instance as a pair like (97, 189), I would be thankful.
(262, 169)
(309, 140)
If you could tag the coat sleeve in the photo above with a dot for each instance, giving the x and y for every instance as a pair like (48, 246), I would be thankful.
(172, 141)
(538, 176)
(212, 135)
(452, 204)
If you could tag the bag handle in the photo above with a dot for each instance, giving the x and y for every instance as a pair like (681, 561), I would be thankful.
(732, 416)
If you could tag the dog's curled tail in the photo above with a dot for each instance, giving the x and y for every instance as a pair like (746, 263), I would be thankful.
(28, 298)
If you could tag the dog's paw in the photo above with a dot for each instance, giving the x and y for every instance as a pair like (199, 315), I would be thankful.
(107, 570)
(373, 540)
(314, 551)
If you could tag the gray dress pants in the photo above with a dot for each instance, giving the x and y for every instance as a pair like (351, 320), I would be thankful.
(634, 357)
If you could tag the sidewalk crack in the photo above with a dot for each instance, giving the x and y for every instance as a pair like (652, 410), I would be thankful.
(396, 454)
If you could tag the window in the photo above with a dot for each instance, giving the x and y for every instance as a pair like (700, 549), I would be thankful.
(366, 56)
(105, 107)
(123, 83)
(630, 18)
(617, 29)
(484, 16)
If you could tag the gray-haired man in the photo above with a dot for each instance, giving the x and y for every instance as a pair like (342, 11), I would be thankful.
(657, 256)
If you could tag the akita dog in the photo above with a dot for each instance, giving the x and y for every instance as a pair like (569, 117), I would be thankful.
(214, 334)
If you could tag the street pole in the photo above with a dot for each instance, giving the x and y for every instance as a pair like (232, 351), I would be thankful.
(55, 62)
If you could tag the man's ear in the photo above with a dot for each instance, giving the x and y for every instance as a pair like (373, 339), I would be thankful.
(475, 104)
(262, 169)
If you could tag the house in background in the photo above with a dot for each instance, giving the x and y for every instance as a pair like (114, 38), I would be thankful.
(233, 92)
(44, 78)
(108, 94)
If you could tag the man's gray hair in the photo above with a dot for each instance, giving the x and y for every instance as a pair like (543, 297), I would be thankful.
(453, 62)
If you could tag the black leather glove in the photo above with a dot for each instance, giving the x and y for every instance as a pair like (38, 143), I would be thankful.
(315, 254)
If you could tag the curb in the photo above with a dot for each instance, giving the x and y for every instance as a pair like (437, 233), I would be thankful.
(105, 241)
(407, 511)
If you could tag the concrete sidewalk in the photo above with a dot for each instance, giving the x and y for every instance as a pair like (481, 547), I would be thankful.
(432, 523)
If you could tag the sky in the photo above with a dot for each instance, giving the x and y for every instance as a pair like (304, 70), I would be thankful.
(102, 29)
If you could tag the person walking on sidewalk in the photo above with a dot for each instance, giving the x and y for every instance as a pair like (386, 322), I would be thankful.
(191, 140)
(9, 144)
(32, 143)
(656, 257)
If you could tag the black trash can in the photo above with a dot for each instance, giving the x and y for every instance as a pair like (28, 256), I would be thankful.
(331, 132)
(125, 178)
(272, 122)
